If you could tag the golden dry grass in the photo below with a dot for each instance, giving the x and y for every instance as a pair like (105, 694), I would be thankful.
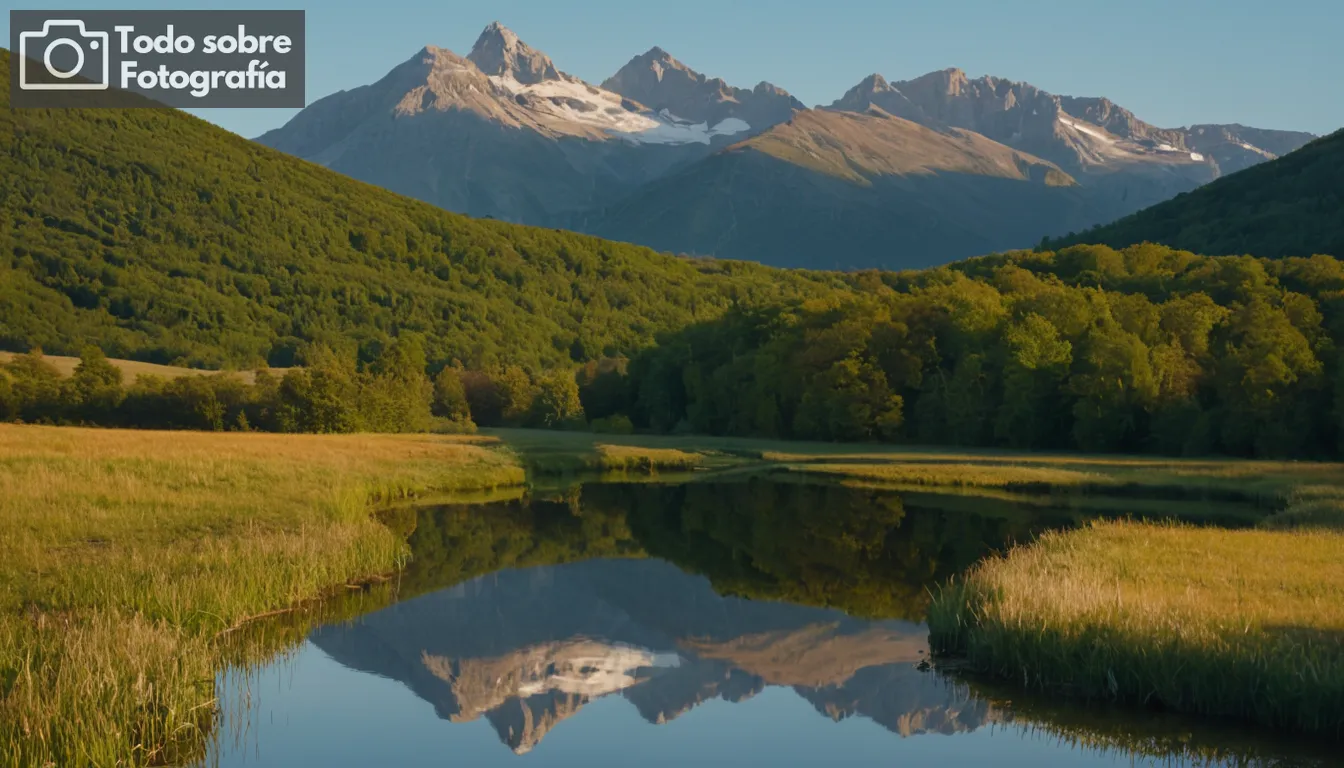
(553, 452)
(954, 474)
(125, 554)
(1246, 624)
(1272, 483)
(132, 368)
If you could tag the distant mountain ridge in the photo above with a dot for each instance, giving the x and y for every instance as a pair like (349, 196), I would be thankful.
(1075, 132)
(504, 132)
(843, 190)
(1290, 206)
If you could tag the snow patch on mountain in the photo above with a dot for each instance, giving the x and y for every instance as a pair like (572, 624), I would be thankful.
(1096, 133)
(1105, 144)
(685, 133)
(575, 101)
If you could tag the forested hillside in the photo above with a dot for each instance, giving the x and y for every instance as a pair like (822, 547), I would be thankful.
(1292, 206)
(1145, 350)
(160, 237)
(156, 236)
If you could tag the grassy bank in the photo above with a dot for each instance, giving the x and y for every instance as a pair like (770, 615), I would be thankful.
(550, 452)
(1271, 483)
(126, 556)
(1243, 624)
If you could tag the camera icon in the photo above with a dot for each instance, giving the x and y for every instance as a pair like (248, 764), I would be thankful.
(64, 38)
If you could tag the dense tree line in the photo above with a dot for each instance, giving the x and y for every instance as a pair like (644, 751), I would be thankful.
(329, 394)
(1149, 349)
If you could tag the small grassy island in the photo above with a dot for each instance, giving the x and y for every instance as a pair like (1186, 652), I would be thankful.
(1246, 624)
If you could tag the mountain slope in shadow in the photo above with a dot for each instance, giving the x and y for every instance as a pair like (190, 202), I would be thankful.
(837, 190)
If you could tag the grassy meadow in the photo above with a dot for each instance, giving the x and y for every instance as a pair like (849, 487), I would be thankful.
(1244, 624)
(129, 555)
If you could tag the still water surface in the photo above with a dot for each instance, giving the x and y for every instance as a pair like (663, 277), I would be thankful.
(707, 623)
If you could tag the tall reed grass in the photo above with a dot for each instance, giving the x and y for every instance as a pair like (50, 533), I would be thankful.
(126, 557)
(1245, 624)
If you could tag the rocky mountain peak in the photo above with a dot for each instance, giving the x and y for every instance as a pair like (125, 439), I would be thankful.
(874, 92)
(765, 88)
(657, 53)
(648, 70)
(658, 80)
(873, 82)
(945, 82)
(499, 51)
(438, 59)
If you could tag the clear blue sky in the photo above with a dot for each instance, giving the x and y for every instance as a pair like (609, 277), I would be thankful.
(1175, 62)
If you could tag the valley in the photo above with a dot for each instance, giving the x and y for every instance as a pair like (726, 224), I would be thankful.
(484, 413)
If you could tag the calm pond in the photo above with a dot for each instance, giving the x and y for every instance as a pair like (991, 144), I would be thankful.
(701, 623)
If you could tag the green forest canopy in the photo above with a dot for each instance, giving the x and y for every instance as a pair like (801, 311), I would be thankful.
(1147, 349)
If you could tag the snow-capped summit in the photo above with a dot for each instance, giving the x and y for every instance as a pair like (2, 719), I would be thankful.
(463, 131)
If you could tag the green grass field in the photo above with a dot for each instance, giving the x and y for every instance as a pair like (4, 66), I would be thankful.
(125, 554)
(1244, 624)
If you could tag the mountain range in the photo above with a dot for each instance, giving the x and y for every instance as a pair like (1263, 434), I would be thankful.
(891, 174)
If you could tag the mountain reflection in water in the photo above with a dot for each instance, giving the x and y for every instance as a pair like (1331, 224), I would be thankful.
(664, 598)
(528, 648)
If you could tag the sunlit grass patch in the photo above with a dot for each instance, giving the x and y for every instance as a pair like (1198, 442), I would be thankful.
(551, 452)
(125, 554)
(1246, 624)
(955, 474)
